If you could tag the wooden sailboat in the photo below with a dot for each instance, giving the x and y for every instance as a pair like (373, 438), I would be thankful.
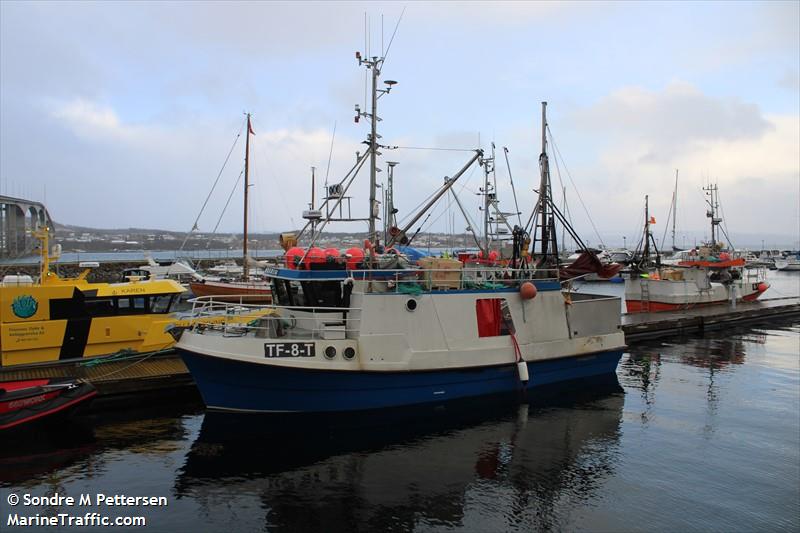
(245, 290)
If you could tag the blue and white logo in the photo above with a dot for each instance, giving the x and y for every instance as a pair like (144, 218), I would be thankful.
(24, 306)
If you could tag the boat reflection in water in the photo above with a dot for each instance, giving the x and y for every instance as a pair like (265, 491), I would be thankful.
(87, 446)
(497, 463)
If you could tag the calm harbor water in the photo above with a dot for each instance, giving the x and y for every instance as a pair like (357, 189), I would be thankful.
(694, 434)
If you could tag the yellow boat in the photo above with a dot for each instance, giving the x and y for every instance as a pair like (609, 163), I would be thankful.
(58, 319)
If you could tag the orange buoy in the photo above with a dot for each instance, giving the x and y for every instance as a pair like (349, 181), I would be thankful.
(354, 257)
(331, 253)
(293, 255)
(527, 290)
(315, 255)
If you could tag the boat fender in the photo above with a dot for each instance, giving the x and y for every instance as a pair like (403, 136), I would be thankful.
(527, 291)
(522, 370)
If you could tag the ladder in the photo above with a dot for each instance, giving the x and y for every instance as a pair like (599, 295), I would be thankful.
(644, 285)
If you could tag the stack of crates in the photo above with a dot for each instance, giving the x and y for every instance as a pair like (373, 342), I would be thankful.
(441, 273)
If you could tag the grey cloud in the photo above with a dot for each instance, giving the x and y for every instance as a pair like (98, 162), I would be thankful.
(670, 121)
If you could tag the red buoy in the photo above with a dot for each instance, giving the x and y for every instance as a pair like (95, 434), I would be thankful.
(315, 255)
(354, 257)
(527, 291)
(293, 255)
(493, 255)
(331, 253)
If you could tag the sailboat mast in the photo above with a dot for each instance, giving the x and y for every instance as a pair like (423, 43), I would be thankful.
(674, 210)
(245, 269)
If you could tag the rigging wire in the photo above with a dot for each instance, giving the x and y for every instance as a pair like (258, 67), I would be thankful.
(233, 190)
(513, 189)
(430, 148)
(205, 203)
(330, 153)
(666, 226)
(433, 208)
(276, 185)
(413, 211)
(577, 192)
(391, 40)
(724, 223)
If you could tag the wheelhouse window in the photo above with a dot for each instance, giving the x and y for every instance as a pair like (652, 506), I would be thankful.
(139, 304)
(136, 305)
(322, 293)
(161, 303)
(100, 307)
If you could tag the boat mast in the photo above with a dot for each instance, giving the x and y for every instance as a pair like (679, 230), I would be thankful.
(713, 202)
(245, 269)
(486, 203)
(390, 211)
(674, 210)
(548, 255)
(374, 64)
(646, 249)
(311, 207)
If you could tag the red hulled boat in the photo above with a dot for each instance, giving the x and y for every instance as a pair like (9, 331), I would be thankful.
(24, 402)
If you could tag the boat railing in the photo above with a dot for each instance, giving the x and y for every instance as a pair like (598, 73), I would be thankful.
(423, 280)
(238, 319)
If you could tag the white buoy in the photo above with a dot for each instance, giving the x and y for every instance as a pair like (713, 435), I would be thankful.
(522, 370)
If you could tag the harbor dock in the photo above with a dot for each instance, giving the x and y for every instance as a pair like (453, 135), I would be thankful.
(165, 372)
(641, 326)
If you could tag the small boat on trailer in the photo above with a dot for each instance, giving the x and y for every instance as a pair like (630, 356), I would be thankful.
(24, 402)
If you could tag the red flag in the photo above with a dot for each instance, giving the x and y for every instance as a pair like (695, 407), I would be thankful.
(652, 219)
(250, 127)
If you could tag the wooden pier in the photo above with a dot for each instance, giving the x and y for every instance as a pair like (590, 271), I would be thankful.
(641, 326)
(166, 373)
(162, 372)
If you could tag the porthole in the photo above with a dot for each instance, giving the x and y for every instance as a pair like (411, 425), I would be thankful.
(330, 352)
(411, 304)
(349, 353)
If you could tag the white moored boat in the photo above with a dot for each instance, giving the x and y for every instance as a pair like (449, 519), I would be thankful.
(346, 332)
(706, 277)
(788, 264)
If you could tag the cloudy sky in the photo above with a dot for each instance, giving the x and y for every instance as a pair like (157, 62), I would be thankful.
(121, 114)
